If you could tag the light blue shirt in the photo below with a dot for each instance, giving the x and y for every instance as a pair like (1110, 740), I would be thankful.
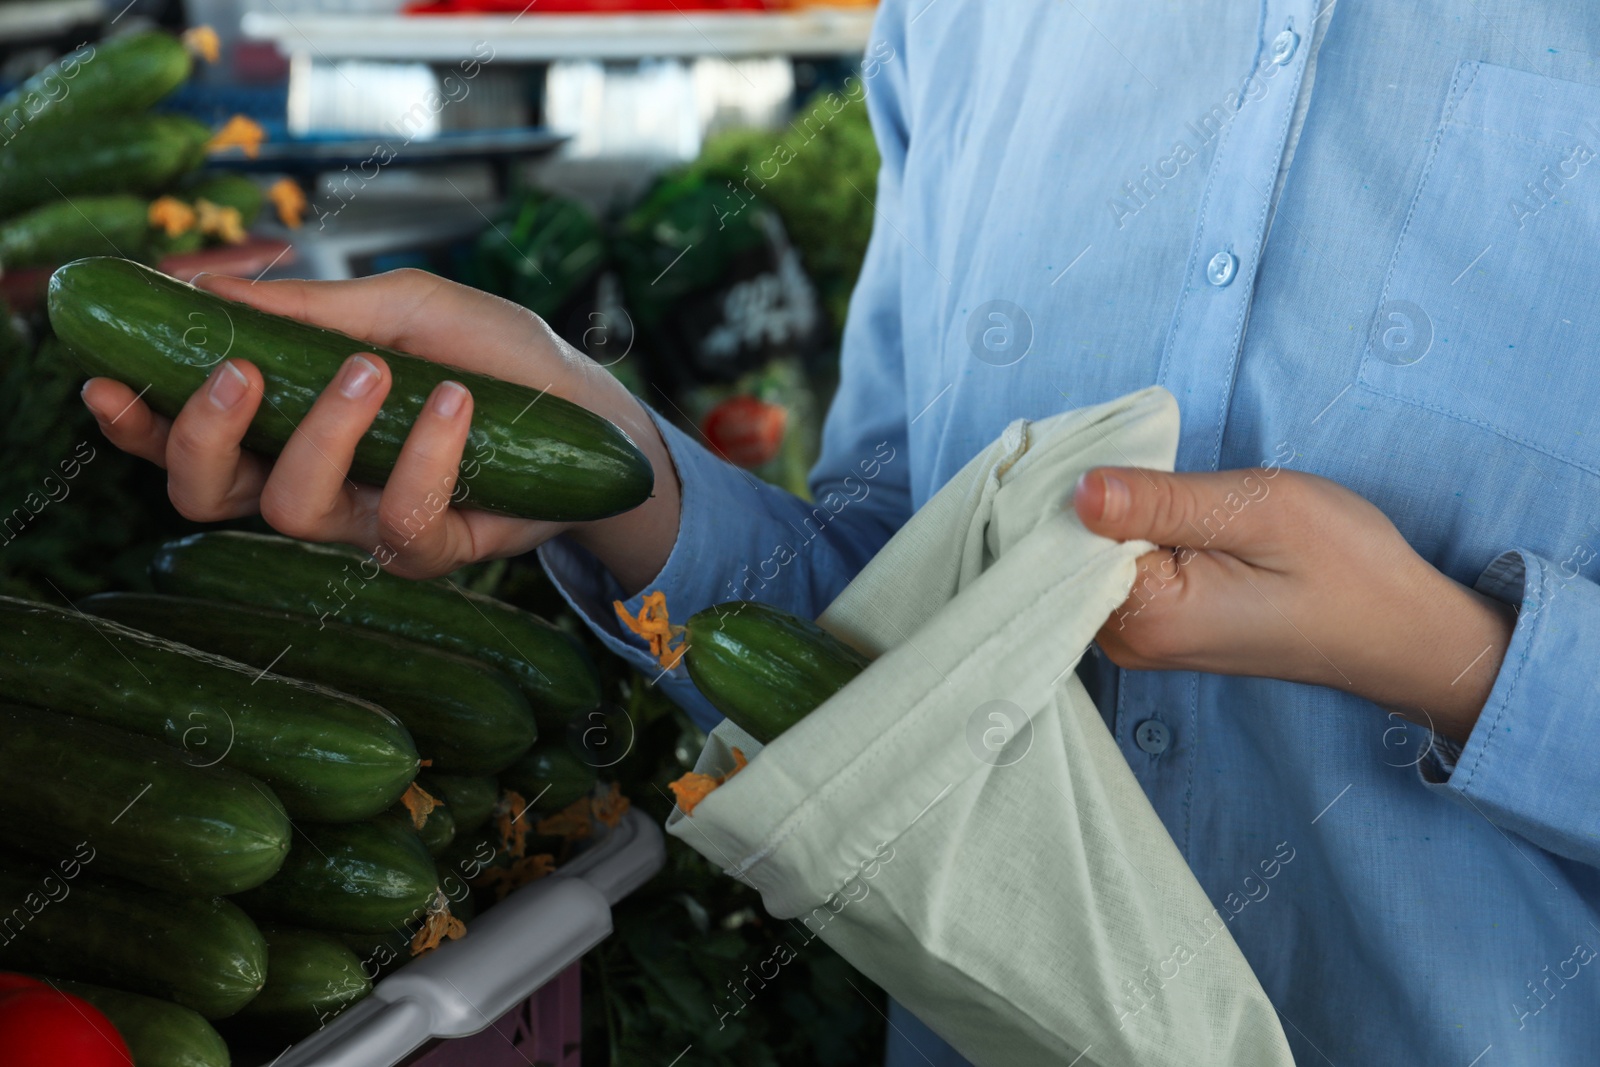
(1080, 198)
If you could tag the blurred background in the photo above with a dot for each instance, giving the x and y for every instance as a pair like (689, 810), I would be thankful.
(682, 188)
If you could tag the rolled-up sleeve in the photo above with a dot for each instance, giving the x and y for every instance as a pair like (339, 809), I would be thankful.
(1532, 762)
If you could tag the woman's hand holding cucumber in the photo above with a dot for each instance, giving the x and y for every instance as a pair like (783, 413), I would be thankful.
(307, 491)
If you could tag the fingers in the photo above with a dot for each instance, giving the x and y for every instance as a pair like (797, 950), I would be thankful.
(413, 517)
(209, 476)
(1207, 510)
(309, 494)
(1190, 610)
(127, 421)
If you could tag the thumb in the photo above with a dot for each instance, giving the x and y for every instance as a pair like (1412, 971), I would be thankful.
(1205, 510)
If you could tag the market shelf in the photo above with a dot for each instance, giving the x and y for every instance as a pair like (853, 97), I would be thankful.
(542, 38)
(23, 20)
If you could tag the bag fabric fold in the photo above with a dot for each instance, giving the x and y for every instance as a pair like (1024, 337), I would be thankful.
(958, 822)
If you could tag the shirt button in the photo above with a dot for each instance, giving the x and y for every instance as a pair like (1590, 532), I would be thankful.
(1219, 272)
(1283, 47)
(1152, 736)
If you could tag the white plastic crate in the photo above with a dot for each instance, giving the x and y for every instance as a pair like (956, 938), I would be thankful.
(508, 952)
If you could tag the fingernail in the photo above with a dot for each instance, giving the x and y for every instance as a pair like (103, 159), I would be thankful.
(358, 377)
(228, 386)
(1117, 497)
(447, 399)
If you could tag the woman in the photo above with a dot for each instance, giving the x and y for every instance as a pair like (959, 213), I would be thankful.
(1367, 642)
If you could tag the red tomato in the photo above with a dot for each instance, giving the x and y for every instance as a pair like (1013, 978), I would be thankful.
(745, 431)
(44, 1027)
(9, 982)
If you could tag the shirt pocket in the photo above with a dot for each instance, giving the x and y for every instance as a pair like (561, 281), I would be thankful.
(1489, 312)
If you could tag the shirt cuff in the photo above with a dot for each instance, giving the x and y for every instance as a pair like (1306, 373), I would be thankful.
(687, 577)
(1531, 764)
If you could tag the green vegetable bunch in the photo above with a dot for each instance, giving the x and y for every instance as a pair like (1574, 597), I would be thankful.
(821, 173)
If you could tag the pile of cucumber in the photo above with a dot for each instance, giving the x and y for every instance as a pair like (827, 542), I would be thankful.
(82, 158)
(210, 795)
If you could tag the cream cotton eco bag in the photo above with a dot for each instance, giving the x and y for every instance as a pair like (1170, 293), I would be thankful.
(958, 822)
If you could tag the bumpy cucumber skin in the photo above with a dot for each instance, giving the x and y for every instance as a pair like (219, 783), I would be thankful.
(311, 977)
(528, 454)
(340, 585)
(120, 76)
(549, 777)
(464, 715)
(764, 668)
(363, 877)
(379, 954)
(438, 829)
(153, 815)
(158, 1033)
(327, 756)
(88, 226)
(471, 798)
(200, 952)
(127, 154)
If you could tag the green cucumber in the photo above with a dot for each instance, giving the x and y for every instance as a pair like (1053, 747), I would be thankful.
(153, 816)
(200, 952)
(466, 856)
(342, 585)
(128, 154)
(465, 716)
(226, 190)
(379, 954)
(549, 778)
(88, 226)
(528, 454)
(470, 798)
(363, 876)
(158, 1033)
(463, 905)
(438, 827)
(311, 977)
(764, 668)
(326, 755)
(120, 76)
(185, 243)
